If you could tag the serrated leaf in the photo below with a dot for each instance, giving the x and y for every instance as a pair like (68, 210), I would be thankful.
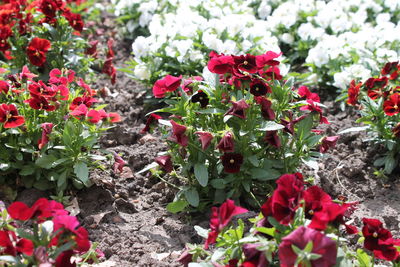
(201, 174)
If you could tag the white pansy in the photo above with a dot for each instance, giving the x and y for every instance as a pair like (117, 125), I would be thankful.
(141, 72)
(287, 38)
(140, 47)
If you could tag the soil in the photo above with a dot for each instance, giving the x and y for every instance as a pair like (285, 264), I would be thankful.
(125, 213)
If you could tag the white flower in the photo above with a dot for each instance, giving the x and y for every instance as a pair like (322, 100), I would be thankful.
(287, 38)
(48, 226)
(264, 10)
(141, 72)
(140, 47)
(341, 79)
(318, 57)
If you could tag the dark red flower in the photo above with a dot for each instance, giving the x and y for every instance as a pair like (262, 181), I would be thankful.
(187, 85)
(64, 259)
(40, 102)
(272, 72)
(232, 162)
(92, 49)
(85, 100)
(37, 50)
(47, 128)
(9, 116)
(238, 108)
(110, 70)
(272, 138)
(259, 88)
(75, 20)
(267, 59)
(389, 68)
(5, 33)
(285, 200)
(227, 143)
(379, 240)
(178, 134)
(22, 245)
(200, 97)
(353, 92)
(168, 84)
(244, 63)
(322, 245)
(315, 198)
(392, 105)
(4, 87)
(165, 162)
(266, 111)
(79, 111)
(220, 217)
(185, 258)
(205, 139)
(303, 91)
(40, 89)
(152, 118)
(220, 64)
(376, 83)
(66, 224)
(328, 142)
(253, 256)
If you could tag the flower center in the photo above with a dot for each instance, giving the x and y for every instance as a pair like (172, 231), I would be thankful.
(375, 234)
(245, 62)
(395, 107)
(231, 161)
(311, 212)
(201, 98)
(257, 89)
(9, 116)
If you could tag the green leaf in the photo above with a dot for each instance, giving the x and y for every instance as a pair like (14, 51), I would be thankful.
(312, 163)
(390, 164)
(201, 231)
(304, 126)
(363, 259)
(27, 170)
(264, 174)
(81, 171)
(265, 230)
(201, 174)
(270, 126)
(192, 196)
(46, 161)
(218, 183)
(211, 111)
(177, 206)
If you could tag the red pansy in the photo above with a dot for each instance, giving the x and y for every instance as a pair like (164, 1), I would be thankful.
(47, 128)
(178, 134)
(353, 92)
(232, 162)
(152, 118)
(227, 143)
(165, 162)
(9, 116)
(238, 109)
(205, 139)
(267, 59)
(168, 84)
(266, 111)
(328, 142)
(37, 50)
(392, 105)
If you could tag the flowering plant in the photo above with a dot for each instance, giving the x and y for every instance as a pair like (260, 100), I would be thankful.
(45, 35)
(378, 102)
(238, 129)
(43, 235)
(296, 227)
(49, 130)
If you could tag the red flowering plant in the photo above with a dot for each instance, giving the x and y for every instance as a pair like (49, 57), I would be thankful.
(299, 225)
(43, 235)
(378, 102)
(235, 129)
(49, 130)
(47, 34)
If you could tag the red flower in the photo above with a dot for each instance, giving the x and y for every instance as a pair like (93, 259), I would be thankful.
(245, 63)
(178, 134)
(110, 70)
(187, 85)
(304, 92)
(92, 49)
(37, 50)
(353, 92)
(376, 83)
(266, 111)
(9, 116)
(220, 217)
(315, 198)
(26, 74)
(392, 105)
(322, 245)
(7, 238)
(86, 100)
(41, 209)
(273, 72)
(41, 89)
(389, 68)
(205, 139)
(254, 256)
(56, 77)
(328, 142)
(40, 102)
(285, 200)
(94, 116)
(232, 162)
(5, 32)
(220, 64)
(238, 108)
(227, 143)
(64, 259)
(75, 20)
(379, 240)
(312, 107)
(66, 224)
(46, 130)
(152, 118)
(4, 87)
(267, 59)
(185, 258)
(114, 117)
(79, 111)
(165, 163)
(168, 84)
(272, 138)
(259, 88)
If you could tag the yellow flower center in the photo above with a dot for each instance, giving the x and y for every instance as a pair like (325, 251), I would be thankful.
(311, 212)
(375, 235)
(201, 98)
(231, 161)
(245, 63)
